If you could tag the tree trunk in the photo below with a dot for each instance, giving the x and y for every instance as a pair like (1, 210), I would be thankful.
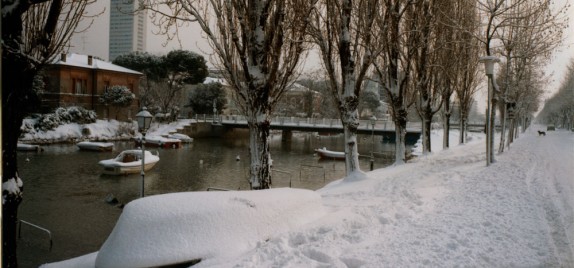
(503, 128)
(350, 125)
(462, 127)
(17, 93)
(260, 171)
(400, 139)
(11, 124)
(446, 128)
(426, 122)
(400, 136)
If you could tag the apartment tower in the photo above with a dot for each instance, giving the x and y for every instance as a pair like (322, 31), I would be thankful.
(127, 28)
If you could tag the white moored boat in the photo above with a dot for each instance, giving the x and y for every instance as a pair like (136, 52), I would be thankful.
(29, 147)
(182, 137)
(128, 162)
(159, 141)
(95, 146)
(326, 154)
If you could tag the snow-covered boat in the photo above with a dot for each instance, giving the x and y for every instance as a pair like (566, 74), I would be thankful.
(159, 141)
(29, 147)
(326, 154)
(95, 146)
(182, 137)
(129, 161)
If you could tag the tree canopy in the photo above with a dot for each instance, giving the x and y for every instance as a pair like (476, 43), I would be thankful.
(165, 76)
(202, 97)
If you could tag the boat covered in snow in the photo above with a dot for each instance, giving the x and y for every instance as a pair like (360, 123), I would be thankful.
(159, 141)
(95, 146)
(29, 147)
(128, 162)
(326, 154)
(182, 137)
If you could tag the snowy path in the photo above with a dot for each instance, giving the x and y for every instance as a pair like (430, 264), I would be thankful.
(444, 210)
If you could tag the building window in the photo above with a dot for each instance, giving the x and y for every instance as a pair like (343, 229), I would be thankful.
(80, 86)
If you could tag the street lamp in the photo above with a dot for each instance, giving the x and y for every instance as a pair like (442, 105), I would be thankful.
(489, 70)
(144, 121)
(214, 111)
(373, 121)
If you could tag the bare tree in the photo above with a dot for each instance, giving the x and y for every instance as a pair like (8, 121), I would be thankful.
(464, 24)
(258, 44)
(342, 32)
(33, 33)
(394, 65)
(429, 72)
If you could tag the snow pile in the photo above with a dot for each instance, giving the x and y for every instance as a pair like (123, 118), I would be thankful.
(11, 186)
(173, 228)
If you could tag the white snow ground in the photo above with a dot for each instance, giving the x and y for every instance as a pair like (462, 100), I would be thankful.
(445, 209)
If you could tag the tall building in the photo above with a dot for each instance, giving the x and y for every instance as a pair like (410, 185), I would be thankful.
(127, 28)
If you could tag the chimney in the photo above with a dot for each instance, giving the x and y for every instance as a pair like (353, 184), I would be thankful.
(90, 58)
(63, 57)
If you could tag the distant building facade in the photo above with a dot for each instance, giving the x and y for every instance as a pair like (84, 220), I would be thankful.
(80, 80)
(127, 28)
(299, 101)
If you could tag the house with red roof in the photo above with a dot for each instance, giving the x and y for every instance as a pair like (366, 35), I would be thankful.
(79, 80)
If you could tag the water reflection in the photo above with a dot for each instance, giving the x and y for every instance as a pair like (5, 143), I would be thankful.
(65, 191)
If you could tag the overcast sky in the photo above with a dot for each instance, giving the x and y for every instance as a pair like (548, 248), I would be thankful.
(95, 41)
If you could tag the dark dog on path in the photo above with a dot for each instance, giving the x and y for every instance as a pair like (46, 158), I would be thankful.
(541, 133)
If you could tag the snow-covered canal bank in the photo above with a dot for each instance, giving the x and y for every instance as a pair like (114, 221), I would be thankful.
(446, 209)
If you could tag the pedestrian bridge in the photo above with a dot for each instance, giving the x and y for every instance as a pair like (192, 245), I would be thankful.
(379, 127)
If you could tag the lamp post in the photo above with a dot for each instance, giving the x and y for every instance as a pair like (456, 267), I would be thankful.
(144, 121)
(214, 111)
(489, 70)
(373, 121)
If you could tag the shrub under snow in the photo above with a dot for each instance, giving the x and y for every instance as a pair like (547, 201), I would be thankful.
(61, 116)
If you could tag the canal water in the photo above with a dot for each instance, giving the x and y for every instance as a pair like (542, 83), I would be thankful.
(65, 192)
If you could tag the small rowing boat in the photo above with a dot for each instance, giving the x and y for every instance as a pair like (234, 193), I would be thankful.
(95, 146)
(326, 154)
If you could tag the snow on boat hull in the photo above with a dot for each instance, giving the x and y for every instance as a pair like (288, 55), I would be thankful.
(158, 141)
(29, 147)
(95, 146)
(326, 154)
(129, 162)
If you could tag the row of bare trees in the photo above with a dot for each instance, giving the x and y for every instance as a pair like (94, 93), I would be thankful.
(559, 109)
(422, 52)
(524, 33)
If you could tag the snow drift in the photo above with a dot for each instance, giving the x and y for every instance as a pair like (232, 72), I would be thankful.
(174, 228)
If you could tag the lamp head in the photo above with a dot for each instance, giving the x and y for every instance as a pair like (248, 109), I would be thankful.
(489, 63)
(144, 120)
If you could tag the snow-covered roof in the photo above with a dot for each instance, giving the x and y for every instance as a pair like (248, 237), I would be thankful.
(209, 80)
(298, 87)
(78, 60)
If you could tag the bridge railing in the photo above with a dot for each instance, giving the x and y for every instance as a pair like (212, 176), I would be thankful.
(380, 123)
